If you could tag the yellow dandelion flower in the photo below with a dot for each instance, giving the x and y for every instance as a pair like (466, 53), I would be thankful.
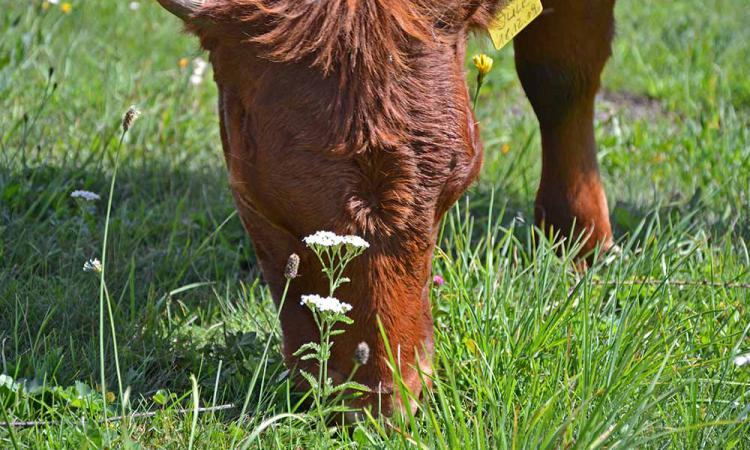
(483, 63)
(505, 149)
(66, 7)
(184, 63)
(110, 397)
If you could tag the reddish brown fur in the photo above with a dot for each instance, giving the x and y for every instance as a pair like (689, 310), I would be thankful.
(353, 116)
(368, 47)
(559, 59)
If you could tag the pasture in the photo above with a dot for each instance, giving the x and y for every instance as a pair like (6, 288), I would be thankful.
(643, 350)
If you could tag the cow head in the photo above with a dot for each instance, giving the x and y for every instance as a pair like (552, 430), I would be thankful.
(354, 117)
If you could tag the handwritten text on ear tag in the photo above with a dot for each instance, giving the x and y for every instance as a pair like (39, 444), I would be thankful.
(511, 19)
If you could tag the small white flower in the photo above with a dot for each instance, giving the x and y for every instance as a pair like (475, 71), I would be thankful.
(329, 239)
(199, 69)
(355, 241)
(200, 66)
(54, 2)
(92, 265)
(323, 239)
(742, 360)
(134, 6)
(325, 304)
(86, 195)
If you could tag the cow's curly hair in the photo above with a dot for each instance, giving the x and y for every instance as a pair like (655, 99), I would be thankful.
(370, 45)
(345, 32)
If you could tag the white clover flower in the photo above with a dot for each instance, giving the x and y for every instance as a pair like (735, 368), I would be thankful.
(86, 195)
(92, 265)
(323, 239)
(742, 360)
(134, 6)
(325, 304)
(54, 2)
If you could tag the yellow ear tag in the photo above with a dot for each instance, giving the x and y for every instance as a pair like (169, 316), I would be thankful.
(511, 19)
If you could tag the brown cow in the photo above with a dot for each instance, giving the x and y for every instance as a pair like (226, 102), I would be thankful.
(353, 116)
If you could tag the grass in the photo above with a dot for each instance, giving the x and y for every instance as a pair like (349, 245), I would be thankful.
(529, 353)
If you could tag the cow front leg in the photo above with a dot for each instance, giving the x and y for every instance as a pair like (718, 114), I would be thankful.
(559, 59)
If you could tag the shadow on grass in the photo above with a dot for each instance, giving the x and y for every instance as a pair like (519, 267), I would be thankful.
(172, 228)
(180, 270)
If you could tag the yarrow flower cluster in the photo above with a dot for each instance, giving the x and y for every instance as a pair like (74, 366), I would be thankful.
(335, 252)
(325, 304)
(92, 265)
(329, 239)
(86, 195)
(355, 241)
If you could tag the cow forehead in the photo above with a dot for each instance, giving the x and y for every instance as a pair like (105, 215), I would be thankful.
(386, 59)
(355, 111)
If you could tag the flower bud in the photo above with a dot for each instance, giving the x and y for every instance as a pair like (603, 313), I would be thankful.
(292, 266)
(483, 63)
(362, 353)
(129, 118)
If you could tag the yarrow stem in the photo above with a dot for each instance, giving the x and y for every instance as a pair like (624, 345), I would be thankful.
(334, 252)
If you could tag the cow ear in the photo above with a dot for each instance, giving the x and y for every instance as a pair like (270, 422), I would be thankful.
(184, 9)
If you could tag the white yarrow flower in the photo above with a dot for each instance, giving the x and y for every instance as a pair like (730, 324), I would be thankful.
(92, 265)
(329, 239)
(323, 239)
(86, 195)
(742, 360)
(325, 304)
(355, 241)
